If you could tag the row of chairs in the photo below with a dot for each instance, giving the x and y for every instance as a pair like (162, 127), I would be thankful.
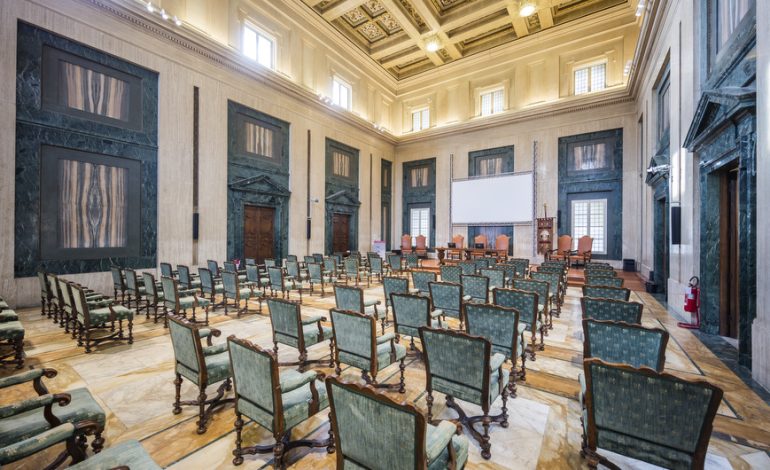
(11, 336)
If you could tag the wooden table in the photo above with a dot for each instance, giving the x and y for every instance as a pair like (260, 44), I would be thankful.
(468, 253)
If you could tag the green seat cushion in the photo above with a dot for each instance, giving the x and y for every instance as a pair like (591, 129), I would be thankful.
(101, 315)
(8, 315)
(472, 393)
(311, 335)
(296, 406)
(436, 440)
(31, 423)
(11, 330)
(409, 330)
(460, 445)
(189, 302)
(383, 354)
(129, 454)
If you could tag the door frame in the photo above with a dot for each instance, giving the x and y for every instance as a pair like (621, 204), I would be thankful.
(275, 230)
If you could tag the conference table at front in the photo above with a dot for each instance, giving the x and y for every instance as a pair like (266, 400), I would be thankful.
(468, 253)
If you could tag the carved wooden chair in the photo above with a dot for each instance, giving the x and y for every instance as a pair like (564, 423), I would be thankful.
(554, 281)
(606, 292)
(317, 276)
(480, 245)
(420, 246)
(457, 252)
(352, 299)
(239, 295)
(186, 279)
(231, 266)
(562, 250)
(154, 296)
(450, 273)
(614, 310)
(562, 273)
(356, 343)
(410, 312)
(354, 271)
(542, 289)
(201, 365)
(100, 321)
(376, 267)
(166, 270)
(475, 288)
(421, 281)
(279, 283)
(396, 264)
(499, 325)
(501, 246)
(255, 278)
(604, 281)
(69, 310)
(394, 285)
(360, 415)
(412, 261)
(447, 297)
(45, 294)
(583, 252)
(178, 301)
(213, 266)
(212, 287)
(496, 277)
(136, 289)
(406, 244)
(118, 283)
(522, 266)
(463, 366)
(291, 329)
(526, 304)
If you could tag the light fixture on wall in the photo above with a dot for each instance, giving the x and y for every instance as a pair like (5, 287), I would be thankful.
(432, 44)
(161, 12)
(527, 8)
(640, 8)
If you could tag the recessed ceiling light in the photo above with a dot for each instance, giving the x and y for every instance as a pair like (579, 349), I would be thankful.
(432, 44)
(527, 9)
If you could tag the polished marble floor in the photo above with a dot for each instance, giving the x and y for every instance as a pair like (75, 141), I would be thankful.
(134, 385)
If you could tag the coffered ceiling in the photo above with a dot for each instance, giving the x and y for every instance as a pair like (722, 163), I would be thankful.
(398, 34)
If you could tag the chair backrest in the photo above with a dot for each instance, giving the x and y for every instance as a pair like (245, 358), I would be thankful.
(330, 264)
(375, 264)
(252, 273)
(184, 276)
(361, 416)
(230, 284)
(447, 296)
(394, 285)
(410, 312)
(286, 318)
(354, 334)
(76, 299)
(604, 281)
(522, 266)
(525, 302)
(292, 258)
(275, 274)
(207, 280)
(480, 239)
(315, 271)
(476, 286)
(349, 298)
(551, 268)
(467, 267)
(269, 262)
(165, 270)
(213, 267)
(553, 280)
(117, 278)
(421, 279)
(53, 283)
(292, 268)
(66, 293)
(614, 310)
(395, 262)
(420, 242)
(318, 257)
(669, 419)
(496, 276)
(541, 288)
(509, 269)
(229, 266)
(450, 273)
(338, 258)
(132, 281)
(412, 260)
(188, 351)
(564, 244)
(500, 325)
(351, 266)
(256, 381)
(501, 242)
(150, 289)
(406, 242)
(584, 245)
(45, 291)
(308, 259)
(251, 261)
(170, 292)
(601, 273)
(607, 292)
(456, 360)
(481, 263)
(459, 241)
(625, 343)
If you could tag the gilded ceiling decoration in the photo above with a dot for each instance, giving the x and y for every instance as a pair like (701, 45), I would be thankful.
(401, 34)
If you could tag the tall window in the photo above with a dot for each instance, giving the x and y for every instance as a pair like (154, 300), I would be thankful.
(590, 78)
(488, 166)
(492, 102)
(589, 217)
(419, 224)
(664, 107)
(418, 176)
(729, 14)
(341, 93)
(258, 46)
(341, 164)
(421, 119)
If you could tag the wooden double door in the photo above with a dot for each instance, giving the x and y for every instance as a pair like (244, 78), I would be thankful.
(258, 232)
(340, 232)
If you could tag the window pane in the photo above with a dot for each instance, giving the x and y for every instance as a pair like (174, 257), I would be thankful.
(581, 81)
(498, 102)
(250, 43)
(486, 104)
(729, 15)
(598, 77)
(258, 140)
(589, 217)
(265, 51)
(425, 118)
(419, 225)
(416, 121)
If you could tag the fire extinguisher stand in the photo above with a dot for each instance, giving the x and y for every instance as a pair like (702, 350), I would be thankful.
(692, 304)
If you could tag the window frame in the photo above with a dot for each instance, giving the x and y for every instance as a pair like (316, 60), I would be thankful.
(423, 112)
(663, 89)
(576, 238)
(490, 91)
(339, 82)
(259, 32)
(414, 234)
(588, 67)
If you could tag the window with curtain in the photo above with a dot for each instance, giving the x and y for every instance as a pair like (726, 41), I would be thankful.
(341, 93)
(341, 164)
(418, 177)
(93, 92)
(420, 119)
(492, 102)
(592, 156)
(385, 177)
(590, 78)
(258, 46)
(258, 140)
(488, 166)
(729, 14)
(589, 217)
(420, 224)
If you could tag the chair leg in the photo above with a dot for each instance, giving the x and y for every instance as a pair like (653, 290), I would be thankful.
(402, 387)
(98, 444)
(18, 347)
(238, 439)
(202, 410)
(278, 453)
(177, 394)
(485, 445)
(331, 353)
(429, 401)
(504, 415)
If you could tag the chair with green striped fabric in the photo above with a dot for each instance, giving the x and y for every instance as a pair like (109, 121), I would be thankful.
(279, 283)
(421, 281)
(154, 296)
(475, 288)
(352, 299)
(464, 367)
(499, 325)
(448, 297)
(232, 290)
(356, 343)
(468, 268)
(604, 281)
(614, 310)
(128, 454)
(211, 287)
(526, 304)
(410, 312)
(291, 329)
(394, 285)
(554, 281)
(451, 273)
(541, 288)
(607, 292)
(178, 301)
(361, 416)
(317, 277)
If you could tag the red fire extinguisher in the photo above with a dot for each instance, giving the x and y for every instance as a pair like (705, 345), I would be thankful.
(692, 304)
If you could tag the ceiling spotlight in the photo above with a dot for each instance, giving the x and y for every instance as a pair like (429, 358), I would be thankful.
(527, 8)
(432, 44)
(150, 8)
(163, 14)
(177, 21)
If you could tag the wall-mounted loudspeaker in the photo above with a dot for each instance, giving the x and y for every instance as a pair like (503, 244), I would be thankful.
(676, 225)
(195, 225)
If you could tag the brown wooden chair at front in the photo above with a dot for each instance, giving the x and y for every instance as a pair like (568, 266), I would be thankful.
(563, 248)
(406, 243)
(480, 245)
(583, 253)
(457, 251)
(501, 246)
(421, 247)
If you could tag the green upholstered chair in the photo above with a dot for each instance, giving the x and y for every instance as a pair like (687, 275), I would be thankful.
(178, 301)
(67, 434)
(277, 401)
(56, 302)
(239, 295)
(291, 329)
(310, 259)
(394, 285)
(43, 412)
(118, 283)
(355, 272)
(421, 282)
(213, 266)
(96, 325)
(211, 287)
(330, 268)
(647, 415)
(6, 314)
(525, 302)
(396, 264)
(376, 267)
(352, 298)
(12, 343)
(126, 455)
(542, 289)
(450, 273)
(135, 290)
(607, 292)
(499, 325)
(356, 343)
(510, 272)
(167, 270)
(463, 366)
(614, 310)
(603, 281)
(201, 365)
(279, 283)
(317, 277)
(186, 279)
(410, 312)
(412, 261)
(467, 268)
(601, 271)
(154, 296)
(448, 297)
(522, 266)
(496, 277)
(554, 289)
(360, 416)
(475, 288)
(481, 263)
(255, 278)
(318, 257)
(45, 294)
(231, 266)
(293, 273)
(68, 317)
(558, 270)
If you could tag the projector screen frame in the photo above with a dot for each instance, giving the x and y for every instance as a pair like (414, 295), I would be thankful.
(510, 222)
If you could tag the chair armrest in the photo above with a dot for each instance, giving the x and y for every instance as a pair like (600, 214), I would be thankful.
(211, 350)
(33, 403)
(369, 303)
(467, 298)
(34, 444)
(296, 381)
(28, 376)
(496, 361)
(209, 334)
(386, 337)
(436, 313)
(187, 292)
(313, 319)
(438, 438)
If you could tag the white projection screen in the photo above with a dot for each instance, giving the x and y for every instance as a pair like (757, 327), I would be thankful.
(504, 199)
